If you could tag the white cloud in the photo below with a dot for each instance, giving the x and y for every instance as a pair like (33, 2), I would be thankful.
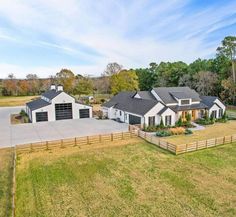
(133, 33)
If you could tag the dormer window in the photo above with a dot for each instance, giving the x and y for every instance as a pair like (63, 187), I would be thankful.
(184, 101)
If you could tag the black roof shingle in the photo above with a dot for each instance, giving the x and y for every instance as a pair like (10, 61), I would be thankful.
(125, 101)
(36, 104)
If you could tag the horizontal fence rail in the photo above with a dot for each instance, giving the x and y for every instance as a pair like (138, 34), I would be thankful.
(183, 148)
(77, 141)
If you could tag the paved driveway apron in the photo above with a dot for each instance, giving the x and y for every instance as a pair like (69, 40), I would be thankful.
(11, 135)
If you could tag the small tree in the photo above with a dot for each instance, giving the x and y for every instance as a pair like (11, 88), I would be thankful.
(162, 124)
(224, 116)
(188, 118)
(206, 116)
(212, 118)
(179, 123)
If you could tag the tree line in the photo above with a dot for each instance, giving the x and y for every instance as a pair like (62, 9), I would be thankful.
(215, 76)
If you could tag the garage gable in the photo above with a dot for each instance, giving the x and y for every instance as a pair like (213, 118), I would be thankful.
(63, 98)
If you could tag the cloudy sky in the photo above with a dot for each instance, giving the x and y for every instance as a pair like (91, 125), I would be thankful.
(43, 36)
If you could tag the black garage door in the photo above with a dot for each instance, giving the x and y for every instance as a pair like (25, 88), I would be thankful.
(41, 116)
(134, 119)
(63, 111)
(84, 113)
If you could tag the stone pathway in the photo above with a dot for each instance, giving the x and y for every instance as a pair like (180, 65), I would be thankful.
(197, 127)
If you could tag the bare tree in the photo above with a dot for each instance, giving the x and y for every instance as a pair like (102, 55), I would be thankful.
(112, 68)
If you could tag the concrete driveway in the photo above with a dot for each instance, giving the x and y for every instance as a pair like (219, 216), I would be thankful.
(11, 135)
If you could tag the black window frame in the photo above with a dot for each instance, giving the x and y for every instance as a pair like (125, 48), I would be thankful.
(168, 120)
(151, 121)
(185, 100)
(40, 116)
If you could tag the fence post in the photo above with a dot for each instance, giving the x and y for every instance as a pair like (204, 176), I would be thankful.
(14, 184)
(47, 145)
(100, 138)
(31, 147)
(111, 136)
(224, 140)
(87, 140)
(61, 143)
(75, 141)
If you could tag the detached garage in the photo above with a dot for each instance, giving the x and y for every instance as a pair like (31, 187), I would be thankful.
(56, 105)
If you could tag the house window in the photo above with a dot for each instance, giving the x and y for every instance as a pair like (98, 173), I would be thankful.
(120, 113)
(168, 120)
(214, 114)
(185, 102)
(151, 121)
(220, 113)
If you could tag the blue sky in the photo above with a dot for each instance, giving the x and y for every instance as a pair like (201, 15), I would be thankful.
(43, 36)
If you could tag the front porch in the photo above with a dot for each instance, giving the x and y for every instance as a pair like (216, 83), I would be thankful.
(194, 114)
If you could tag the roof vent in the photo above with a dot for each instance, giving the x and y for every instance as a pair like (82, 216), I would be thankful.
(53, 87)
(59, 88)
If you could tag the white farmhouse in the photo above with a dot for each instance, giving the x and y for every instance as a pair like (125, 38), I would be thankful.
(166, 103)
(55, 105)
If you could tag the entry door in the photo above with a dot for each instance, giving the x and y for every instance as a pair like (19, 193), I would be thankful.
(63, 111)
(84, 113)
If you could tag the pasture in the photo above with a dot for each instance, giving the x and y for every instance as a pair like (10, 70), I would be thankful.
(6, 159)
(6, 101)
(137, 179)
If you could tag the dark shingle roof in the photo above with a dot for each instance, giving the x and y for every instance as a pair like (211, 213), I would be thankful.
(167, 94)
(188, 107)
(209, 100)
(51, 94)
(126, 102)
(36, 104)
(146, 95)
(162, 111)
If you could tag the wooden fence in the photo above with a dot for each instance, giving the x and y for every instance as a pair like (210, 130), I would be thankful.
(78, 141)
(183, 148)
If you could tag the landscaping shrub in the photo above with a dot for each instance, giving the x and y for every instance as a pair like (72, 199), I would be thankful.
(188, 132)
(163, 133)
(204, 121)
(162, 124)
(179, 123)
(177, 130)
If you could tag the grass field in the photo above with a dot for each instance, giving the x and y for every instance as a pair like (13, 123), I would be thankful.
(211, 131)
(133, 180)
(15, 100)
(5, 182)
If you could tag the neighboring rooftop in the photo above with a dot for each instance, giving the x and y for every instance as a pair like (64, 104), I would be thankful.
(167, 94)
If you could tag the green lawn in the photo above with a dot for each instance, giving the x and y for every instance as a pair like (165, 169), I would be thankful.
(134, 180)
(5, 182)
(231, 113)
